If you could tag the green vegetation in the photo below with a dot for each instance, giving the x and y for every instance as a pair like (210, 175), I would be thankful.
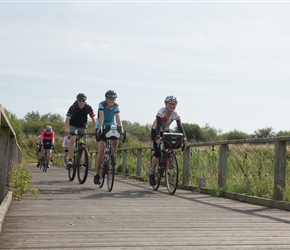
(21, 181)
(250, 167)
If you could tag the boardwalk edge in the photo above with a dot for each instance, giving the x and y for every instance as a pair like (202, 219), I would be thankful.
(4, 207)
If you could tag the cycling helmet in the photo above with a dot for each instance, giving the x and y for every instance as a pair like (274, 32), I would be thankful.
(111, 94)
(170, 98)
(48, 128)
(81, 96)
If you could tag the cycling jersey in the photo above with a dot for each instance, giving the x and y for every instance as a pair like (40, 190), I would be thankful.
(79, 117)
(65, 142)
(109, 114)
(166, 121)
(47, 137)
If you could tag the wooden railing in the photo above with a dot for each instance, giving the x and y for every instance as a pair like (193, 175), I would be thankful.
(224, 147)
(9, 151)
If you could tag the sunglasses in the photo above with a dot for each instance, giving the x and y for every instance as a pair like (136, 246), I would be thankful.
(81, 100)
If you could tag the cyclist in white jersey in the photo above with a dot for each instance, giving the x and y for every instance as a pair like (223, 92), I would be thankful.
(165, 116)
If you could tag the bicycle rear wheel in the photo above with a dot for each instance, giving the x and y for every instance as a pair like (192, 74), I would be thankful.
(111, 170)
(171, 173)
(83, 164)
(157, 176)
(72, 171)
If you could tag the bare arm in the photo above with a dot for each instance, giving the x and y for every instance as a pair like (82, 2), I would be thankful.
(94, 123)
(119, 121)
(67, 119)
(101, 119)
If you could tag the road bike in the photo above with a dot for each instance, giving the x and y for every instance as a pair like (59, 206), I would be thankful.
(167, 164)
(44, 160)
(81, 159)
(111, 132)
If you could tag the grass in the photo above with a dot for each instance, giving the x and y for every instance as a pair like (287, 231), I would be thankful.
(250, 168)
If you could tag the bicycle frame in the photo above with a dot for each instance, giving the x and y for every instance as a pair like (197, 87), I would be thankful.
(81, 161)
(167, 168)
(111, 132)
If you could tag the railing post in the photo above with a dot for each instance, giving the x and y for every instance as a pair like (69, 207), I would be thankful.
(139, 162)
(124, 155)
(186, 165)
(280, 170)
(223, 161)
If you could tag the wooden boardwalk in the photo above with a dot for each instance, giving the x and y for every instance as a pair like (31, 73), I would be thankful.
(67, 215)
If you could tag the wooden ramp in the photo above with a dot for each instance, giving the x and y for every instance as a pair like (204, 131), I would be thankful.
(67, 215)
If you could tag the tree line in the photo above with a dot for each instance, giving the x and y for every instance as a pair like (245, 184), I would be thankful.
(33, 123)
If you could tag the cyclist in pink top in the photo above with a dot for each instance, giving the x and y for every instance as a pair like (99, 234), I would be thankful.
(165, 116)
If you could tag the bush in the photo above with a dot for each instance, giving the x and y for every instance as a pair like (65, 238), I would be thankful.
(21, 182)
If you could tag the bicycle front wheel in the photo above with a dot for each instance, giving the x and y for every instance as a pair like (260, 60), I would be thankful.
(83, 164)
(45, 166)
(171, 173)
(72, 170)
(41, 163)
(45, 163)
(111, 171)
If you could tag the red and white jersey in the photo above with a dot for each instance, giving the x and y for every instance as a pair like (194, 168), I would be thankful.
(166, 121)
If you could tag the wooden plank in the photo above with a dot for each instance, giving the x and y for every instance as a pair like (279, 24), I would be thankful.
(67, 215)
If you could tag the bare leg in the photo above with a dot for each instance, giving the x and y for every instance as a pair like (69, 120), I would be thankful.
(154, 164)
(71, 147)
(100, 155)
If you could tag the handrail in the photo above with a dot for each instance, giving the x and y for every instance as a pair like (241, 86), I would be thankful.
(10, 151)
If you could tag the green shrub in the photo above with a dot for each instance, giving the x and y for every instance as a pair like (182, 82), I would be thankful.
(20, 181)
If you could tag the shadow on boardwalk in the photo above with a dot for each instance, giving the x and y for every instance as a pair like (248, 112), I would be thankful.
(67, 215)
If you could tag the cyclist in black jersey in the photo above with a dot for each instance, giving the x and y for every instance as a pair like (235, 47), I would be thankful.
(77, 119)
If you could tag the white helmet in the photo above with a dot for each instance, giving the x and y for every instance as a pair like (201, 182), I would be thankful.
(170, 98)
(48, 128)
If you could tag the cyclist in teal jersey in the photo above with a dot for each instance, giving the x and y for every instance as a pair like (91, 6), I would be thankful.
(108, 114)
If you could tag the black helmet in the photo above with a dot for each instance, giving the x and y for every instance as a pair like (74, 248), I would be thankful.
(81, 96)
(111, 94)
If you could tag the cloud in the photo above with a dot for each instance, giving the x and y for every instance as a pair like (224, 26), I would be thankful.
(79, 43)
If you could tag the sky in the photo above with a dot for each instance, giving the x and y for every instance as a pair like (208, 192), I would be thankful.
(227, 62)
